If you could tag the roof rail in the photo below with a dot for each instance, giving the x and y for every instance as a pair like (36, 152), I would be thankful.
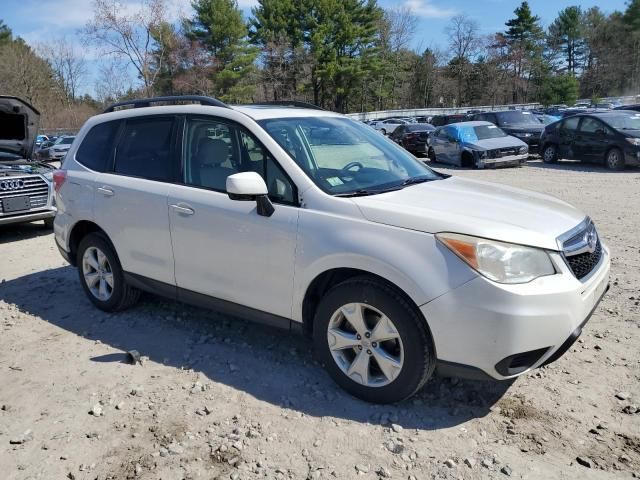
(175, 99)
(290, 103)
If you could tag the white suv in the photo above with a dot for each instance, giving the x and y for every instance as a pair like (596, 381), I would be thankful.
(300, 217)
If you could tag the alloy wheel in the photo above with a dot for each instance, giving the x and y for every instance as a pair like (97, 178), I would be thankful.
(365, 344)
(613, 159)
(549, 154)
(97, 273)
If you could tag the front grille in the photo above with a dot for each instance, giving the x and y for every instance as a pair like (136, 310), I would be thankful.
(582, 264)
(34, 187)
(503, 152)
(582, 249)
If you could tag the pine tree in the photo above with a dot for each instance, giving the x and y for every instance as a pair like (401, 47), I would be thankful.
(219, 27)
(524, 36)
(566, 34)
(5, 33)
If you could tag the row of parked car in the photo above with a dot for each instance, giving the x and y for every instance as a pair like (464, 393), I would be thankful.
(54, 148)
(506, 138)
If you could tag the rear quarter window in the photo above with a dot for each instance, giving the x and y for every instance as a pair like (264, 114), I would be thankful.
(146, 149)
(96, 150)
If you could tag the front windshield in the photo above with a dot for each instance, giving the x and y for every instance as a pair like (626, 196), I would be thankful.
(480, 132)
(344, 157)
(624, 121)
(510, 119)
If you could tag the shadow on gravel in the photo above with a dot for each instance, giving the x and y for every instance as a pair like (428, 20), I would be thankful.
(576, 166)
(22, 231)
(271, 365)
(562, 165)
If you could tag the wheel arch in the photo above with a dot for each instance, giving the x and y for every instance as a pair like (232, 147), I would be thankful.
(608, 150)
(324, 281)
(80, 230)
(467, 159)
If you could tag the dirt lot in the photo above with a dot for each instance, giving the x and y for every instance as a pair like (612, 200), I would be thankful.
(222, 398)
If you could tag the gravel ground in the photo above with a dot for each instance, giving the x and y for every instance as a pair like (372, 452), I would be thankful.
(215, 397)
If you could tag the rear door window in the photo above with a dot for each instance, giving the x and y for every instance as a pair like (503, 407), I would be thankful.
(96, 150)
(591, 125)
(570, 124)
(147, 149)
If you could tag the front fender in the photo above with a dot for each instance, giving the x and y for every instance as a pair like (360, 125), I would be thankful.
(413, 261)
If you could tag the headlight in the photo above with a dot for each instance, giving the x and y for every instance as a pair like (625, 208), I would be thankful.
(523, 134)
(523, 149)
(482, 154)
(633, 141)
(499, 261)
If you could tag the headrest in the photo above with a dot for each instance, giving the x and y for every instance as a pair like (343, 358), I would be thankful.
(212, 151)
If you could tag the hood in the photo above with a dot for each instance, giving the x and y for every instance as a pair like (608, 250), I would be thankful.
(632, 133)
(494, 143)
(22, 167)
(18, 126)
(475, 208)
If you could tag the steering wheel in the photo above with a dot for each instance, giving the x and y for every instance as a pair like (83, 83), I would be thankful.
(350, 165)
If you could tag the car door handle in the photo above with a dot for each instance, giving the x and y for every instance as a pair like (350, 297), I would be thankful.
(183, 209)
(107, 192)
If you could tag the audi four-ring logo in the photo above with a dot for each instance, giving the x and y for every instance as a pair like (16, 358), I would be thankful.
(6, 185)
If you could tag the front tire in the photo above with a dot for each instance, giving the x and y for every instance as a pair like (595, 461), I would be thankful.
(48, 223)
(550, 153)
(615, 159)
(101, 275)
(432, 155)
(372, 341)
(383, 131)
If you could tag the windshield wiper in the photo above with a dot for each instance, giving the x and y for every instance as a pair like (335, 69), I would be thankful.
(358, 193)
(415, 180)
(364, 192)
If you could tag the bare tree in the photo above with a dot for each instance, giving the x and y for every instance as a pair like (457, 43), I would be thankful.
(67, 63)
(403, 24)
(128, 34)
(462, 33)
(113, 81)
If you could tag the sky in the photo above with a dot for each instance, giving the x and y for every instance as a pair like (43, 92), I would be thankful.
(41, 21)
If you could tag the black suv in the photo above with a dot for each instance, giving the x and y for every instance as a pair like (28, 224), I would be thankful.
(611, 138)
(441, 120)
(520, 124)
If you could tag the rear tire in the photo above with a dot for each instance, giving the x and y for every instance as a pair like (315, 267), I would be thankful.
(101, 275)
(381, 365)
(550, 153)
(615, 159)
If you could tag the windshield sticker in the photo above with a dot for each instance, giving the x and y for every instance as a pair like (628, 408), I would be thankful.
(334, 181)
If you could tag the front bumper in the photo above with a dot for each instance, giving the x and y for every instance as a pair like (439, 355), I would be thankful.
(632, 157)
(501, 331)
(28, 217)
(507, 161)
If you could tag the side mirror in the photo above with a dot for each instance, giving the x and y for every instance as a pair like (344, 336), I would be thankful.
(249, 186)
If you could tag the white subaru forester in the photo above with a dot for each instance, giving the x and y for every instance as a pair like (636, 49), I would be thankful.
(299, 217)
